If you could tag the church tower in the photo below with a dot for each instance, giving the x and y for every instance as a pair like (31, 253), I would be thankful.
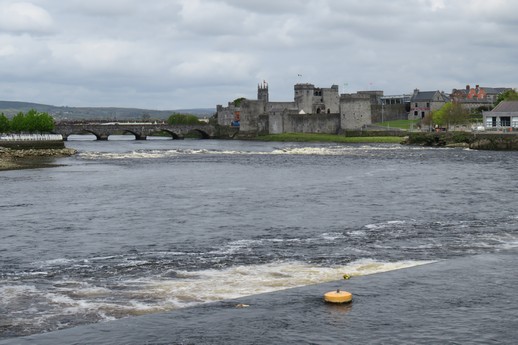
(262, 92)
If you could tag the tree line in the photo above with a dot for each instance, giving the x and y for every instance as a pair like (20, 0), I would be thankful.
(183, 119)
(30, 122)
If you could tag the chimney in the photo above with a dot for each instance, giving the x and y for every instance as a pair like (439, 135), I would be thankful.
(468, 87)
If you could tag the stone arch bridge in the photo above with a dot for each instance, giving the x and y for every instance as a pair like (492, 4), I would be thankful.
(141, 130)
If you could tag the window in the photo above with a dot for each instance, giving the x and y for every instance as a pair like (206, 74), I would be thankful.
(428, 104)
(422, 114)
(505, 121)
(416, 113)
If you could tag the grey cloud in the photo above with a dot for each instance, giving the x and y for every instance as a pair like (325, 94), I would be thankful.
(270, 7)
(23, 17)
(198, 53)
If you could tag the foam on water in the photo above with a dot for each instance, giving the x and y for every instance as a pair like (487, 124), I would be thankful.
(304, 150)
(81, 301)
(386, 224)
(213, 285)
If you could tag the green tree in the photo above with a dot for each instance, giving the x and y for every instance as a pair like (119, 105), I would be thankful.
(237, 101)
(4, 123)
(450, 114)
(31, 121)
(183, 119)
(45, 123)
(509, 95)
(18, 124)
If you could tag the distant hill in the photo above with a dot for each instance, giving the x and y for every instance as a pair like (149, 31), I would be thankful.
(11, 108)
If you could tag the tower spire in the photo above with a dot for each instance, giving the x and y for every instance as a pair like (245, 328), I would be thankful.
(262, 92)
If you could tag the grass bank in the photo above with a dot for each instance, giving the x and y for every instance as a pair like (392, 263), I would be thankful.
(332, 138)
(402, 124)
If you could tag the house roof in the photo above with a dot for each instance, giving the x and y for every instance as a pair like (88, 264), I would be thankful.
(495, 90)
(426, 96)
(423, 96)
(488, 90)
(506, 107)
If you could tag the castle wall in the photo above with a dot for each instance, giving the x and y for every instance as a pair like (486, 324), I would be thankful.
(250, 111)
(292, 122)
(389, 112)
(275, 123)
(355, 111)
(280, 107)
(226, 114)
(263, 124)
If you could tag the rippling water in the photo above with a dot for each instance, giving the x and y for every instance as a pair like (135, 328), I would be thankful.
(135, 227)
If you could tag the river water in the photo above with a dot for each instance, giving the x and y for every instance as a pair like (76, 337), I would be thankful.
(127, 228)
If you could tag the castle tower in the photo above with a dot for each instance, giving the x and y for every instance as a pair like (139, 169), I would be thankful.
(262, 92)
(304, 95)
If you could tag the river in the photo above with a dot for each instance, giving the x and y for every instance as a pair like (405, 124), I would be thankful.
(127, 228)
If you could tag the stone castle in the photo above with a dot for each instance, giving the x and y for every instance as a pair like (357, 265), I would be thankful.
(313, 110)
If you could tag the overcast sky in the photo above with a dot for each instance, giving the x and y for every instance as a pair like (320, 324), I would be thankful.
(171, 54)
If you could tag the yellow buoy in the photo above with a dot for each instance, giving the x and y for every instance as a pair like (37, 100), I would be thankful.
(338, 296)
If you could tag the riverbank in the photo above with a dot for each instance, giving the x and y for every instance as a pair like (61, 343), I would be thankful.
(464, 300)
(12, 159)
(477, 141)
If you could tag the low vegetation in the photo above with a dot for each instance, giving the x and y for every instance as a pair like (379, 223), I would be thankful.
(312, 137)
(183, 119)
(237, 102)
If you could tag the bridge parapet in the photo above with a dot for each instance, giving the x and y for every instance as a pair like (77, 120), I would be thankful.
(102, 130)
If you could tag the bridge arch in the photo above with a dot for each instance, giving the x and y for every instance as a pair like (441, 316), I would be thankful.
(202, 134)
(173, 135)
(138, 136)
(98, 136)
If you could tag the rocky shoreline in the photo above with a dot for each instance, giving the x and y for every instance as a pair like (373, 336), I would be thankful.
(476, 141)
(11, 159)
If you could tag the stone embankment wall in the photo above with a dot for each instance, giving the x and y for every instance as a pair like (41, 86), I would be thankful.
(226, 132)
(31, 141)
(478, 141)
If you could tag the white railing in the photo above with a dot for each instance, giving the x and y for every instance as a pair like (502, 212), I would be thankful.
(31, 137)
